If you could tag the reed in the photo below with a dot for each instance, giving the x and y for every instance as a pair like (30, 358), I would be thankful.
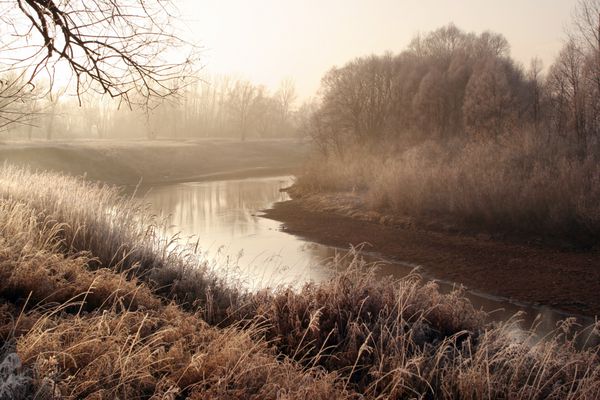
(530, 184)
(79, 322)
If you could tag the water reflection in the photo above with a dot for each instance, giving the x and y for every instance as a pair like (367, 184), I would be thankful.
(224, 217)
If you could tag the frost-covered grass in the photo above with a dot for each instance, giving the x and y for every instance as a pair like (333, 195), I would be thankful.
(527, 183)
(97, 305)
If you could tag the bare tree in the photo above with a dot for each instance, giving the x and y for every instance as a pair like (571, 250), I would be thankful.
(285, 97)
(240, 100)
(53, 99)
(567, 87)
(535, 80)
(430, 104)
(489, 106)
(586, 20)
(126, 49)
(266, 113)
(18, 101)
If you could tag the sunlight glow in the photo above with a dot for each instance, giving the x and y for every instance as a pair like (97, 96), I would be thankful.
(269, 40)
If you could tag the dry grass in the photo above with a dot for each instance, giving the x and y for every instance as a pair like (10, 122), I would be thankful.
(164, 354)
(530, 184)
(403, 339)
(72, 332)
(117, 233)
(80, 322)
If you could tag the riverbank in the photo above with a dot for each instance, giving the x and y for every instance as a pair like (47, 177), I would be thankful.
(96, 303)
(536, 274)
(155, 162)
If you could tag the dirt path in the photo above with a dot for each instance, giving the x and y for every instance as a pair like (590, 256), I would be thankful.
(567, 281)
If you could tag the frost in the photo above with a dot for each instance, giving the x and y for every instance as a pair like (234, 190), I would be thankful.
(14, 384)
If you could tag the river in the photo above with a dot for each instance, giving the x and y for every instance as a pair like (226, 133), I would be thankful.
(224, 218)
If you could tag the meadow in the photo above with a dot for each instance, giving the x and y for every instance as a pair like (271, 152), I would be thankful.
(139, 161)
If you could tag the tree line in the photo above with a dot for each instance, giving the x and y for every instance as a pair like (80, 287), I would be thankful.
(452, 84)
(213, 106)
(129, 51)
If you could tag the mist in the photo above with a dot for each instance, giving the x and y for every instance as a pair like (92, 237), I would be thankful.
(303, 200)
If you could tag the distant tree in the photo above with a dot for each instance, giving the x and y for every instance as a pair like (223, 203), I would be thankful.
(266, 114)
(490, 44)
(566, 84)
(457, 77)
(304, 117)
(342, 102)
(18, 101)
(52, 99)
(285, 96)
(240, 101)
(441, 44)
(586, 21)
(430, 104)
(536, 86)
(587, 35)
(324, 134)
(359, 98)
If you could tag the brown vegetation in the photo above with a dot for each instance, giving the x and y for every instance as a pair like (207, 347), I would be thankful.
(69, 332)
(528, 186)
(453, 127)
(95, 306)
(537, 274)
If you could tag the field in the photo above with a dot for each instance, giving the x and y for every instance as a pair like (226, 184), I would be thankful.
(130, 162)
(98, 304)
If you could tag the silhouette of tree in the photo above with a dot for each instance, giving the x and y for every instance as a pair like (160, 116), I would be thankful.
(126, 49)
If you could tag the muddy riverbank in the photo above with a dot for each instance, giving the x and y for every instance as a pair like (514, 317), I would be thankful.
(538, 275)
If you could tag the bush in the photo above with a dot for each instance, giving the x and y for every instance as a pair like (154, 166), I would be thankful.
(529, 184)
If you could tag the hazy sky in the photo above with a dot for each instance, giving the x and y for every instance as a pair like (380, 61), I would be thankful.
(268, 40)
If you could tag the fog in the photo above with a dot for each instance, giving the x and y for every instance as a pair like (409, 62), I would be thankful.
(212, 106)
(309, 199)
(269, 40)
(257, 67)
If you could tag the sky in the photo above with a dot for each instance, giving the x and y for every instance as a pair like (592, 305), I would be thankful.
(266, 41)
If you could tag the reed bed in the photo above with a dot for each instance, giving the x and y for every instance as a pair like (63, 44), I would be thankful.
(119, 233)
(70, 331)
(128, 314)
(531, 184)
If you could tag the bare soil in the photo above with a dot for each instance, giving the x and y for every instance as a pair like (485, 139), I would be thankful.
(563, 279)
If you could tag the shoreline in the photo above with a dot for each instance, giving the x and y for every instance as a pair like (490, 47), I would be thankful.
(248, 173)
(535, 275)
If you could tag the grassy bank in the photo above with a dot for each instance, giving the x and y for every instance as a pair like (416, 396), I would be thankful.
(98, 304)
(158, 161)
(533, 185)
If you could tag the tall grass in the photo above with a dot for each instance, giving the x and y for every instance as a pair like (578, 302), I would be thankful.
(87, 318)
(68, 331)
(404, 339)
(531, 184)
(119, 233)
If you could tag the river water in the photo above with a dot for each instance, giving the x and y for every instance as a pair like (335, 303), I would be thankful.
(224, 218)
